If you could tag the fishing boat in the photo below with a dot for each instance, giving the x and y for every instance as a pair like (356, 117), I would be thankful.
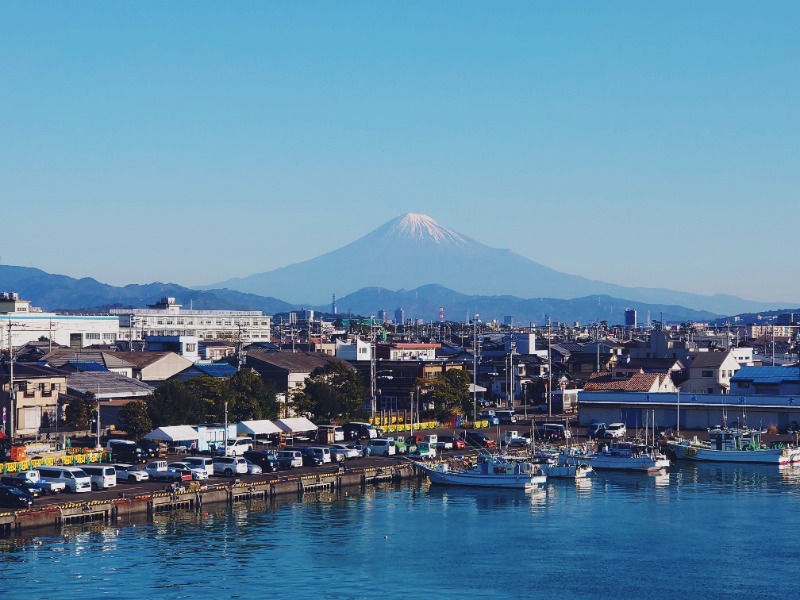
(491, 470)
(567, 470)
(559, 464)
(734, 445)
(621, 456)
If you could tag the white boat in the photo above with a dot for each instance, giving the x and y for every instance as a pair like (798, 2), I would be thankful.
(490, 471)
(733, 445)
(561, 470)
(622, 456)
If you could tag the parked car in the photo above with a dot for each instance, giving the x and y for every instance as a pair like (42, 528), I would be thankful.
(130, 473)
(198, 473)
(382, 447)
(338, 454)
(350, 451)
(615, 430)
(443, 444)
(229, 465)
(400, 445)
(253, 468)
(513, 438)
(295, 457)
(159, 471)
(358, 448)
(552, 432)
(33, 476)
(456, 442)
(423, 450)
(308, 458)
(12, 497)
(22, 484)
(235, 447)
(477, 439)
(595, 430)
(506, 417)
(268, 460)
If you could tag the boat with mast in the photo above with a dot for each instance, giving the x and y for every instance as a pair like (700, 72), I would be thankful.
(491, 470)
(739, 444)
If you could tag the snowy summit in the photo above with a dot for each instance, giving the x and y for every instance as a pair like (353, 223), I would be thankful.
(423, 227)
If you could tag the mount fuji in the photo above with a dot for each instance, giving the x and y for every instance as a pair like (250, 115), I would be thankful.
(413, 250)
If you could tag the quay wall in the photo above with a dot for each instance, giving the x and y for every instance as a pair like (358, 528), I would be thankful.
(194, 497)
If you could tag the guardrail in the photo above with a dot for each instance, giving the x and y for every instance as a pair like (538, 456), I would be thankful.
(59, 460)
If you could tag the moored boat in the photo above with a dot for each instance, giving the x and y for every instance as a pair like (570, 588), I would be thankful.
(490, 471)
(733, 445)
(623, 456)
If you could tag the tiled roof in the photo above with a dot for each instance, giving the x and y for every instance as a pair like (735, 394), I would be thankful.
(708, 359)
(297, 362)
(638, 382)
(110, 360)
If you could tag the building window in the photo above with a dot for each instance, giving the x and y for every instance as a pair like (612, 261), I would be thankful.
(707, 374)
(191, 347)
(92, 336)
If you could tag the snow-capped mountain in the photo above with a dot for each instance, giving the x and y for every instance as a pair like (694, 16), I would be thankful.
(413, 250)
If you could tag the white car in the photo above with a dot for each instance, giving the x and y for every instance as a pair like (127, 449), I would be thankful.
(614, 430)
(349, 452)
(198, 474)
(253, 468)
(513, 438)
(130, 473)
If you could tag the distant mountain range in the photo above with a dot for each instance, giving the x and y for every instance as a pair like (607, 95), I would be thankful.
(412, 263)
(412, 250)
(62, 293)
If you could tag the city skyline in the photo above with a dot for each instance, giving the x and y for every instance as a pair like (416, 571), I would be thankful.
(650, 146)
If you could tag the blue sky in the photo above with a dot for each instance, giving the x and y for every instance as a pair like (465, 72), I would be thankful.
(645, 144)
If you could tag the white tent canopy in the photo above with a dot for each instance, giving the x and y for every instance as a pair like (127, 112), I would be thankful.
(296, 425)
(175, 433)
(263, 427)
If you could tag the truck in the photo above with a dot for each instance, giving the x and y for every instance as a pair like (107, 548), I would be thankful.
(423, 450)
(159, 471)
(51, 487)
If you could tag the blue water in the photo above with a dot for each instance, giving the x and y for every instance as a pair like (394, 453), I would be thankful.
(698, 531)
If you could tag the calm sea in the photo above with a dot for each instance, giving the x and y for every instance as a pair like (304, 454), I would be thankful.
(697, 531)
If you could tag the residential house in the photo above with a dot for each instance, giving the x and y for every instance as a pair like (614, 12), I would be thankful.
(38, 389)
(767, 381)
(710, 373)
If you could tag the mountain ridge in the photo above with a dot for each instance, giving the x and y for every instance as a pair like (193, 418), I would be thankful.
(407, 252)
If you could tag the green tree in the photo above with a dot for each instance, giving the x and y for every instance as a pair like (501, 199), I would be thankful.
(135, 420)
(209, 394)
(449, 393)
(248, 397)
(172, 403)
(335, 391)
(79, 413)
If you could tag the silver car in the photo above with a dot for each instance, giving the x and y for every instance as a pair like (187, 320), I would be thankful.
(130, 473)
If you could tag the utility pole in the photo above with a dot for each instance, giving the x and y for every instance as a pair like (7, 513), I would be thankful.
(371, 369)
(12, 394)
(549, 374)
(475, 369)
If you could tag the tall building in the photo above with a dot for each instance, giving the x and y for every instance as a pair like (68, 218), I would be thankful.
(21, 323)
(399, 316)
(167, 318)
(630, 318)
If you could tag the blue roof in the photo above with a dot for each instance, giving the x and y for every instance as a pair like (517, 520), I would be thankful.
(220, 370)
(87, 366)
(766, 374)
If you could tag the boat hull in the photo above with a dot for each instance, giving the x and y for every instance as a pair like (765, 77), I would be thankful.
(475, 478)
(763, 456)
(644, 464)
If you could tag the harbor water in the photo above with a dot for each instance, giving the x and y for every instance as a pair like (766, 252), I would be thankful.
(708, 531)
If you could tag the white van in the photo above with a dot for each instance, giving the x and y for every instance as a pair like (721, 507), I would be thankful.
(321, 452)
(382, 447)
(236, 447)
(338, 431)
(73, 478)
(295, 456)
(229, 465)
(102, 476)
(200, 462)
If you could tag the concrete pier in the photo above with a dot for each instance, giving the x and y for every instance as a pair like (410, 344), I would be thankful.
(193, 497)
